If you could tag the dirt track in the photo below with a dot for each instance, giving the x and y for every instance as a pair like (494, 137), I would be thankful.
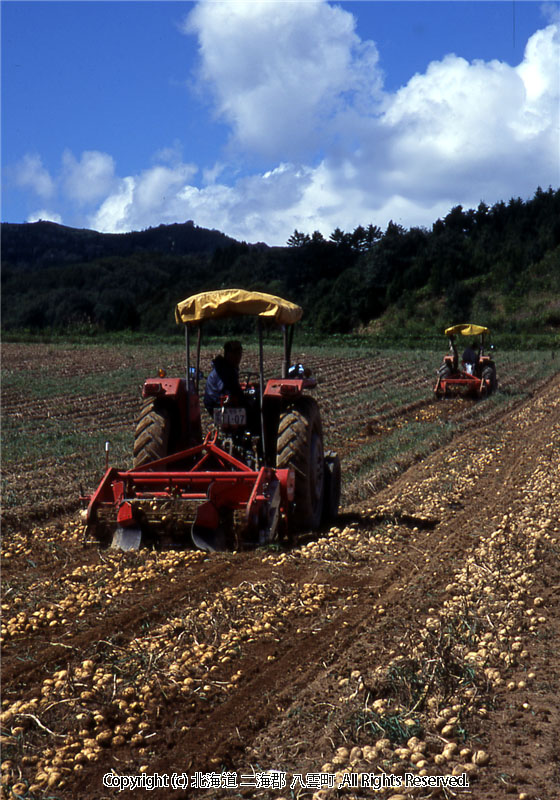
(420, 636)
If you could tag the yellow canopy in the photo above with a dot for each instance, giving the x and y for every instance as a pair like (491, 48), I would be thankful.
(467, 329)
(236, 302)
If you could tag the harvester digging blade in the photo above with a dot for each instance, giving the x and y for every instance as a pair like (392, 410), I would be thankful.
(213, 540)
(207, 532)
(126, 539)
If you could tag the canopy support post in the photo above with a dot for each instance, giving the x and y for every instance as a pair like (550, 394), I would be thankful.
(198, 345)
(188, 353)
(291, 329)
(261, 387)
(285, 359)
(188, 385)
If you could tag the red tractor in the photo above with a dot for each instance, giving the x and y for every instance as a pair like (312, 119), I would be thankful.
(260, 473)
(477, 373)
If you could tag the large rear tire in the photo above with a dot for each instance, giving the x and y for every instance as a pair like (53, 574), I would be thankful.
(444, 372)
(300, 445)
(151, 439)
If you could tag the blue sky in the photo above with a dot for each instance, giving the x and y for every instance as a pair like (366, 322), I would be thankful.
(257, 117)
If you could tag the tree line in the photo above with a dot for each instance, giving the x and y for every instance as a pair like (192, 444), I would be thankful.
(484, 263)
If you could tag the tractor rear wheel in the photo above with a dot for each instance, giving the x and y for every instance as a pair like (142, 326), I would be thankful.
(300, 445)
(151, 439)
(444, 372)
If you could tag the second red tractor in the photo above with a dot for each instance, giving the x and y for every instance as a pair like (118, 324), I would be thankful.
(475, 372)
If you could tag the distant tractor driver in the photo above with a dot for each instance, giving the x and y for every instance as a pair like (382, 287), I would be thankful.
(224, 377)
(470, 358)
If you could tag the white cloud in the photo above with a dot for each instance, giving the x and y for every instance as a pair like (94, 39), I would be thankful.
(465, 129)
(211, 174)
(265, 207)
(30, 173)
(88, 179)
(302, 92)
(458, 133)
(281, 72)
(153, 197)
(45, 215)
(551, 11)
(170, 155)
(158, 186)
(115, 209)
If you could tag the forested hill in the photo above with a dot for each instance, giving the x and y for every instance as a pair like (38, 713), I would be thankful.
(498, 266)
(47, 244)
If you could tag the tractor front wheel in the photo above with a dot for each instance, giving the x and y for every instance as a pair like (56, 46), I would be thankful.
(151, 439)
(300, 445)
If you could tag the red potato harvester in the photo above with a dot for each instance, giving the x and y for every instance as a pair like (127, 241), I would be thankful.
(260, 474)
(477, 373)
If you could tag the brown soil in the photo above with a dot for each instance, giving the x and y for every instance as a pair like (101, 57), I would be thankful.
(430, 611)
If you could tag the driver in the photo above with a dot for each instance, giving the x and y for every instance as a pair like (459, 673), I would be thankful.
(470, 358)
(224, 377)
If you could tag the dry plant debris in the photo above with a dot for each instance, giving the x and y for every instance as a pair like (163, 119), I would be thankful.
(418, 636)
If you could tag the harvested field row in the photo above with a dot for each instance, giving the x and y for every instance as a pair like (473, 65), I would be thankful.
(416, 637)
(49, 417)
